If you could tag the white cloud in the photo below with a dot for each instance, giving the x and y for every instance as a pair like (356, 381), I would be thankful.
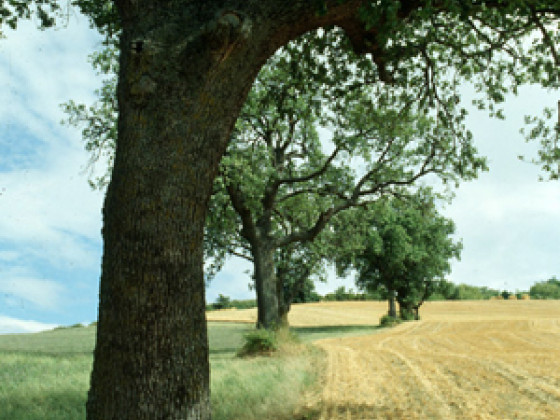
(232, 281)
(9, 256)
(51, 214)
(10, 325)
(510, 232)
(47, 210)
(41, 69)
(19, 284)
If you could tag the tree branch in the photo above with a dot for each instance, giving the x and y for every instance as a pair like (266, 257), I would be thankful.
(546, 36)
(248, 231)
(319, 172)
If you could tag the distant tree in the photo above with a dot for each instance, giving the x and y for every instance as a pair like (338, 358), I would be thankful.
(341, 294)
(447, 290)
(468, 292)
(505, 294)
(307, 293)
(549, 289)
(406, 254)
(222, 302)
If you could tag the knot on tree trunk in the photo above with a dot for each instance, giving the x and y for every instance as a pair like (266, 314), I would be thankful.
(225, 31)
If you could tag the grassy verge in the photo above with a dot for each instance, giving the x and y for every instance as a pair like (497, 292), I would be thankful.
(309, 334)
(256, 388)
(45, 376)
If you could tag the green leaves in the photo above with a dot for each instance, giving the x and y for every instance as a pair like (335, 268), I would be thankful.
(99, 120)
(407, 249)
(11, 11)
(546, 131)
(103, 16)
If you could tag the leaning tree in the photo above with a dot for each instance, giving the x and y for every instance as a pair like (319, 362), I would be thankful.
(280, 184)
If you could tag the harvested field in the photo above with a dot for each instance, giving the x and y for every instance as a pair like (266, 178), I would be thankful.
(465, 360)
(368, 313)
(314, 314)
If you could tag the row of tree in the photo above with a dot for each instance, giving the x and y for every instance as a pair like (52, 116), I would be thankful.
(290, 200)
(440, 290)
(548, 289)
(382, 77)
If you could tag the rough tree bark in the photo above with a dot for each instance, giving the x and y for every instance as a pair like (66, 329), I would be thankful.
(392, 304)
(265, 284)
(288, 289)
(185, 70)
(284, 302)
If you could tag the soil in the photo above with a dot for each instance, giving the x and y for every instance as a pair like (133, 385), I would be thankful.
(465, 360)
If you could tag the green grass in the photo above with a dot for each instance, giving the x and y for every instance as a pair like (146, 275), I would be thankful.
(309, 334)
(45, 376)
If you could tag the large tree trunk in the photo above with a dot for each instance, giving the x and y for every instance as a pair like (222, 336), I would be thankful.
(185, 70)
(266, 286)
(178, 100)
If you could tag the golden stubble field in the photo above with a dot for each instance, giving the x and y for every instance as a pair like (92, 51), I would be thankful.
(464, 360)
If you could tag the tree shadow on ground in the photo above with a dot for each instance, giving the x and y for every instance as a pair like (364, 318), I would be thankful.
(353, 411)
(332, 331)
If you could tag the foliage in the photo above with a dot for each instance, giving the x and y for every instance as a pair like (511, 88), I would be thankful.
(306, 293)
(545, 130)
(11, 11)
(222, 302)
(280, 173)
(428, 48)
(549, 289)
(225, 302)
(407, 251)
(103, 16)
(450, 291)
(278, 184)
(259, 342)
(99, 120)
(342, 294)
(297, 269)
(389, 321)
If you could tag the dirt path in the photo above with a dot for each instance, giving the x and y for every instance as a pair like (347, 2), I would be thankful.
(445, 370)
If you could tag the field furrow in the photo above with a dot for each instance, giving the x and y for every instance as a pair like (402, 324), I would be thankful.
(481, 369)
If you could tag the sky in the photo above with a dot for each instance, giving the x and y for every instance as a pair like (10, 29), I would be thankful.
(50, 220)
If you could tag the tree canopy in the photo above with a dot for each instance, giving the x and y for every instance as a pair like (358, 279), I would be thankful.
(406, 251)
(283, 181)
(549, 289)
(11, 11)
